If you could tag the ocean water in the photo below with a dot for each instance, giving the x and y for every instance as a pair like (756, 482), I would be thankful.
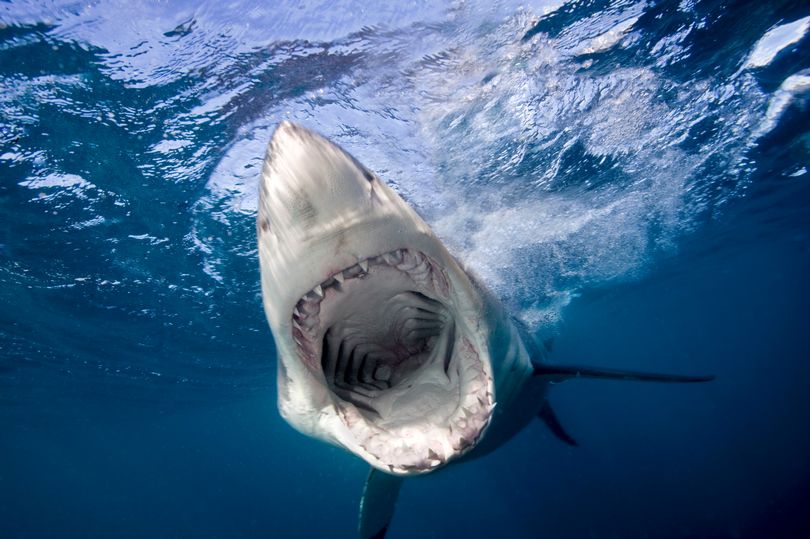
(630, 178)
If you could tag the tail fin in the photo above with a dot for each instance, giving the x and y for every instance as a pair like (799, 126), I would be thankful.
(556, 374)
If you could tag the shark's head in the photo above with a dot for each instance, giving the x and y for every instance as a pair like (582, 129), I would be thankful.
(382, 338)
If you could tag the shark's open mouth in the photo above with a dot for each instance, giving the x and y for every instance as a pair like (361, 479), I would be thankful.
(396, 358)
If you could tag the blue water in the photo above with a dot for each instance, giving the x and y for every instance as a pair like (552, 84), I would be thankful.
(631, 178)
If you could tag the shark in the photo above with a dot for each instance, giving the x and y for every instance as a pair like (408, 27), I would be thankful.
(387, 346)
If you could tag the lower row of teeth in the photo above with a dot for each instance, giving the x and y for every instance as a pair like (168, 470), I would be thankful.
(461, 434)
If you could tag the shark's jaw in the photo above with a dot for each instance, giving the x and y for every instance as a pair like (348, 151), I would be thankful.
(381, 336)
(410, 388)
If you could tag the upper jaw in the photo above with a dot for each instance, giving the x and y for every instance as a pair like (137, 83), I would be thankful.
(319, 213)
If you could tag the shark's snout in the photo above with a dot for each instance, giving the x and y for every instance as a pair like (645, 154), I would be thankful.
(314, 182)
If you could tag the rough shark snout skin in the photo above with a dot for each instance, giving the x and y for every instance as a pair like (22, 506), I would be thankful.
(384, 342)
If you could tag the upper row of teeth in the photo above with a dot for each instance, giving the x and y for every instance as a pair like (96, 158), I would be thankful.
(306, 311)
(413, 263)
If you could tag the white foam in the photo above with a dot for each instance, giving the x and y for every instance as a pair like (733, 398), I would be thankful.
(608, 39)
(57, 180)
(168, 146)
(775, 40)
(788, 91)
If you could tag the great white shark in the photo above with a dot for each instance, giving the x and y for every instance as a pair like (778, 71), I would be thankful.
(386, 346)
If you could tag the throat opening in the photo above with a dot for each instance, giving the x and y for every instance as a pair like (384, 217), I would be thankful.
(387, 357)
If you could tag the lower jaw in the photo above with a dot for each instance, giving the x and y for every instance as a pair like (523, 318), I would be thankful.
(421, 445)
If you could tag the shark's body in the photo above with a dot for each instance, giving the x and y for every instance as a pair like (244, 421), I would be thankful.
(387, 347)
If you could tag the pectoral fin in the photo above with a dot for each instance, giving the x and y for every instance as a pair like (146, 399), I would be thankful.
(558, 373)
(377, 504)
(547, 415)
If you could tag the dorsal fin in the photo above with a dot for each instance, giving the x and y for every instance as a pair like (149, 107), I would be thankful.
(559, 373)
(377, 504)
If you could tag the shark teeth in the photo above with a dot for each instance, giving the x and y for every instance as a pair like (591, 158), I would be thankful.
(418, 266)
(393, 258)
(355, 271)
(433, 458)
(410, 261)
(309, 307)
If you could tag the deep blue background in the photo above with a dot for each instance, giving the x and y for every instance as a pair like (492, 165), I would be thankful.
(137, 374)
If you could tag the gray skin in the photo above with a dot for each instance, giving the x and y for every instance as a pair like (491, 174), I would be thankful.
(386, 346)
